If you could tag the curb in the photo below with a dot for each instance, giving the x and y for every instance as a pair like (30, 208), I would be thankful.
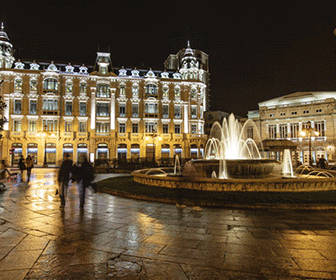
(282, 206)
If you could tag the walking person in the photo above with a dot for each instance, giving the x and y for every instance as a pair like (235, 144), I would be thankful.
(22, 167)
(64, 175)
(30, 165)
(86, 176)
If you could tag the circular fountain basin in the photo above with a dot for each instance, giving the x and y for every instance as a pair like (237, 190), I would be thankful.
(236, 168)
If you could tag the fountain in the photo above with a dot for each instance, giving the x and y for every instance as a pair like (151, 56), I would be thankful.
(233, 163)
(231, 154)
(287, 167)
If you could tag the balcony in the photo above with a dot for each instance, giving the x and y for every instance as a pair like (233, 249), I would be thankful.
(54, 113)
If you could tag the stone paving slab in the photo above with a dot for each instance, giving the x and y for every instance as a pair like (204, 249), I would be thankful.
(118, 238)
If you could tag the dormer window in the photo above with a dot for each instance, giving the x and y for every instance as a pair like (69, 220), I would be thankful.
(151, 89)
(294, 113)
(318, 110)
(50, 84)
(18, 85)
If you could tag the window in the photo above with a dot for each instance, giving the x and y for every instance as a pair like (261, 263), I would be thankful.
(249, 132)
(103, 91)
(151, 108)
(17, 106)
(193, 129)
(272, 131)
(177, 91)
(50, 84)
(122, 128)
(17, 125)
(122, 90)
(122, 110)
(82, 126)
(177, 112)
(294, 130)
(318, 110)
(294, 113)
(165, 92)
(283, 130)
(33, 85)
(177, 128)
(306, 111)
(193, 93)
(68, 86)
(82, 87)
(68, 108)
(320, 127)
(193, 111)
(165, 111)
(82, 108)
(68, 126)
(135, 110)
(102, 127)
(49, 125)
(135, 90)
(32, 126)
(102, 109)
(151, 89)
(50, 105)
(135, 128)
(165, 128)
(33, 107)
(18, 85)
(150, 127)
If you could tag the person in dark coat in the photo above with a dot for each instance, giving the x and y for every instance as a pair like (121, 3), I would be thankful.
(86, 176)
(22, 167)
(30, 165)
(64, 175)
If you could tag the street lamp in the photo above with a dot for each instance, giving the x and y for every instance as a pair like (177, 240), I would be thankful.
(154, 134)
(308, 131)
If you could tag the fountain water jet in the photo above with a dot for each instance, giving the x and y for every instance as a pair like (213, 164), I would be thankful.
(287, 167)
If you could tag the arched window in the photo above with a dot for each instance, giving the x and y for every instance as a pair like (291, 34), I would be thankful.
(177, 93)
(151, 89)
(82, 87)
(50, 84)
(18, 85)
(165, 92)
(68, 86)
(33, 85)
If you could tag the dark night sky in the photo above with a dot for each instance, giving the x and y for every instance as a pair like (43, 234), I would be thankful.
(257, 49)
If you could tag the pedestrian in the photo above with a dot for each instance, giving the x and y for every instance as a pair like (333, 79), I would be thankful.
(22, 167)
(86, 176)
(30, 165)
(64, 176)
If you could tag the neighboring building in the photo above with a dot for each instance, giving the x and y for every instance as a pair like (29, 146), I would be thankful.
(129, 114)
(286, 117)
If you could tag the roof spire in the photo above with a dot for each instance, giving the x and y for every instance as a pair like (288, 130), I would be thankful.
(3, 34)
(188, 44)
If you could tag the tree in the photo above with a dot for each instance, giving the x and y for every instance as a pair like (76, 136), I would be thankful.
(2, 107)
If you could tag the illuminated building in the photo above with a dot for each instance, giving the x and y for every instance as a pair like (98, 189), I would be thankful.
(288, 116)
(103, 112)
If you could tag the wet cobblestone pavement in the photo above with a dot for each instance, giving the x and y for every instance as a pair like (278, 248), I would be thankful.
(117, 238)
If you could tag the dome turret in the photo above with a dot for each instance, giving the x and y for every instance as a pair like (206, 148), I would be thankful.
(6, 49)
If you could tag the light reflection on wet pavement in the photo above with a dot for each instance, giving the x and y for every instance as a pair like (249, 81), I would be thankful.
(117, 238)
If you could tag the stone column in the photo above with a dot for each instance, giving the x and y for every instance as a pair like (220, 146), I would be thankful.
(186, 119)
(93, 109)
(112, 112)
(6, 114)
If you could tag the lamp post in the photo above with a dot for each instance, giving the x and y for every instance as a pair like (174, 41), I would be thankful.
(154, 134)
(44, 135)
(308, 131)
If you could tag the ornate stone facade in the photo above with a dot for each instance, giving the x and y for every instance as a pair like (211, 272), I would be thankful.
(286, 117)
(106, 113)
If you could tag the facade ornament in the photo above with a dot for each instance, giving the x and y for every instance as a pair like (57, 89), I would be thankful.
(150, 74)
(34, 66)
(69, 68)
(165, 75)
(122, 72)
(83, 69)
(135, 73)
(19, 65)
(177, 76)
(52, 67)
